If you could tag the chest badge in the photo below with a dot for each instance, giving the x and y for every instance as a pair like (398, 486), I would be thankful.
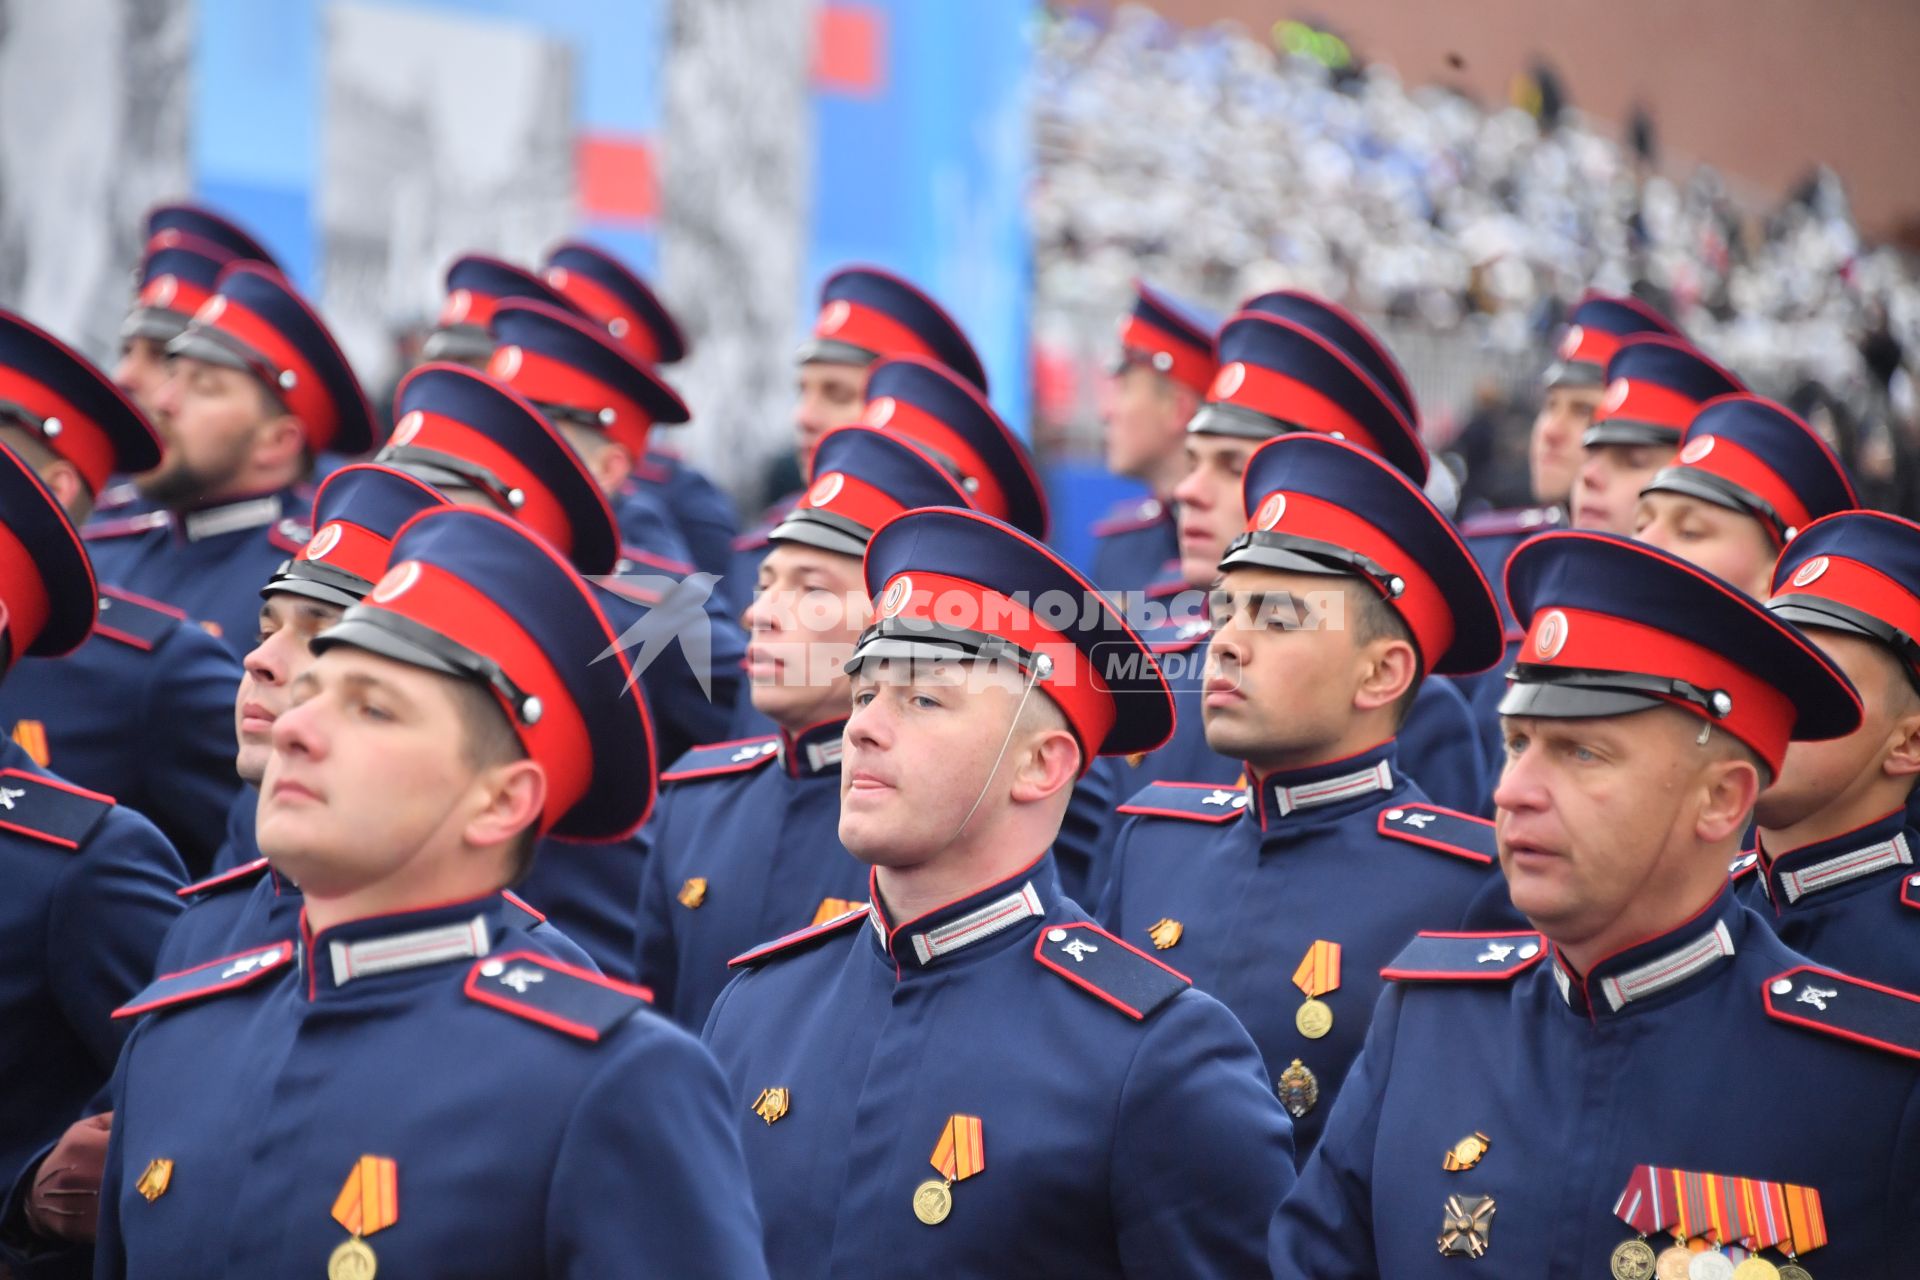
(154, 1182)
(772, 1103)
(369, 1201)
(693, 892)
(1467, 1226)
(1318, 974)
(1165, 933)
(1466, 1153)
(960, 1153)
(1298, 1089)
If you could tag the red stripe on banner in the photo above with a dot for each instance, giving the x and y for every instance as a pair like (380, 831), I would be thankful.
(849, 50)
(616, 178)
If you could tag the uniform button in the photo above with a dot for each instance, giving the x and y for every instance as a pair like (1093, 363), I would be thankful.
(1912, 880)
(1529, 950)
(1782, 986)
(1056, 935)
(1394, 815)
(492, 969)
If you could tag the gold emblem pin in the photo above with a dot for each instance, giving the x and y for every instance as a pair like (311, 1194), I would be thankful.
(693, 892)
(1165, 933)
(353, 1260)
(1632, 1260)
(154, 1182)
(1466, 1153)
(772, 1104)
(1313, 1019)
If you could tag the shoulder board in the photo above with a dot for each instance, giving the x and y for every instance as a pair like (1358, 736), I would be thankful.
(1447, 830)
(1193, 801)
(135, 620)
(56, 812)
(291, 533)
(1097, 962)
(634, 560)
(1514, 520)
(1853, 1009)
(801, 939)
(741, 755)
(521, 912)
(226, 881)
(554, 994)
(1125, 517)
(228, 973)
(1743, 866)
(1466, 957)
(125, 527)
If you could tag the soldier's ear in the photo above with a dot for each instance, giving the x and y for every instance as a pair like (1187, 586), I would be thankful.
(512, 796)
(280, 439)
(1729, 784)
(1050, 762)
(1903, 751)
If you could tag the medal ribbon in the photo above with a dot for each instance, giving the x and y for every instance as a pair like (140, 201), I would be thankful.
(1639, 1206)
(1806, 1224)
(1319, 970)
(370, 1199)
(961, 1151)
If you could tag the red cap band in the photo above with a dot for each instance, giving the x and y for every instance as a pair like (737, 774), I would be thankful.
(548, 381)
(605, 306)
(352, 548)
(307, 399)
(80, 440)
(870, 330)
(851, 498)
(1588, 345)
(1860, 587)
(450, 606)
(540, 510)
(171, 293)
(1422, 606)
(1719, 456)
(1081, 694)
(23, 593)
(1255, 387)
(1637, 400)
(1762, 716)
(464, 306)
(921, 427)
(1190, 368)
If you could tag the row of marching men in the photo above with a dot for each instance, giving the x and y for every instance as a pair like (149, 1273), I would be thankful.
(459, 964)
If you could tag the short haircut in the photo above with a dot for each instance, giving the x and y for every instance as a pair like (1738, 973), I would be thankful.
(487, 740)
(1375, 619)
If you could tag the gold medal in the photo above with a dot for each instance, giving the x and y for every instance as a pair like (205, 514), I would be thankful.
(1756, 1268)
(353, 1260)
(1313, 1019)
(932, 1202)
(1632, 1260)
(1794, 1271)
(1467, 1153)
(1673, 1263)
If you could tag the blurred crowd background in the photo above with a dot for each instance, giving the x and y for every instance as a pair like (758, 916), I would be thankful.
(1219, 162)
(1456, 173)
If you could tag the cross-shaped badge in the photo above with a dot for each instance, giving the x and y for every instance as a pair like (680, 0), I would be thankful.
(754, 753)
(1496, 953)
(1238, 799)
(1817, 997)
(1079, 949)
(1418, 821)
(520, 978)
(8, 795)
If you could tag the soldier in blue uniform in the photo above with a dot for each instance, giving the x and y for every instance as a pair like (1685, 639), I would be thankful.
(1835, 873)
(1574, 390)
(187, 246)
(970, 1073)
(601, 285)
(1163, 371)
(449, 717)
(90, 885)
(476, 286)
(1579, 1098)
(142, 710)
(745, 843)
(1655, 386)
(1348, 588)
(1749, 476)
(257, 389)
(604, 403)
(1278, 376)
(866, 315)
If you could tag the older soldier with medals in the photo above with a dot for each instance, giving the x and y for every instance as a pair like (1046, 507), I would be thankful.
(1347, 590)
(1080, 1108)
(415, 1084)
(1650, 705)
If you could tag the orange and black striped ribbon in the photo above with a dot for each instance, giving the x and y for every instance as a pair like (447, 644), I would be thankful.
(961, 1151)
(1319, 970)
(370, 1199)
